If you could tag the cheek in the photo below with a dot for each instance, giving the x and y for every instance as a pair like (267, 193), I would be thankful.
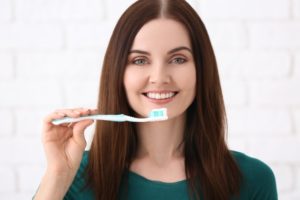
(187, 78)
(132, 80)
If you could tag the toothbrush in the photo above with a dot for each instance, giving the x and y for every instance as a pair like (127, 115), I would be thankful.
(155, 115)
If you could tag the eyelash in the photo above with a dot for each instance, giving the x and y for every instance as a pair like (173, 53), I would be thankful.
(182, 60)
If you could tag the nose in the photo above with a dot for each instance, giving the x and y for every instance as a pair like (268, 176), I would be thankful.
(159, 75)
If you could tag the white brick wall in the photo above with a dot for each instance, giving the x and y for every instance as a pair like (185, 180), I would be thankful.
(5, 10)
(244, 9)
(28, 36)
(296, 8)
(58, 10)
(51, 53)
(6, 60)
(9, 176)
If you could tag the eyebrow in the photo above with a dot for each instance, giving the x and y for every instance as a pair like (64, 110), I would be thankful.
(169, 52)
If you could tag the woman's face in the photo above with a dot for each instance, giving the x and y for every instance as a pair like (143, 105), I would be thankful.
(160, 72)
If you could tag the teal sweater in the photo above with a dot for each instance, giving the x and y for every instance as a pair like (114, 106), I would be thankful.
(259, 184)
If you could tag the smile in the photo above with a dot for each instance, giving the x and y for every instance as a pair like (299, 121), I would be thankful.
(160, 96)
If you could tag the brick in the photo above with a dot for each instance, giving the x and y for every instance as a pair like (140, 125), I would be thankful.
(30, 36)
(296, 72)
(284, 177)
(297, 178)
(275, 35)
(81, 94)
(236, 9)
(21, 151)
(6, 64)
(29, 177)
(295, 195)
(19, 196)
(296, 120)
(8, 180)
(89, 35)
(235, 93)
(283, 150)
(296, 8)
(228, 64)
(5, 10)
(6, 120)
(34, 94)
(56, 10)
(275, 93)
(29, 122)
(227, 35)
(253, 65)
(255, 122)
(59, 66)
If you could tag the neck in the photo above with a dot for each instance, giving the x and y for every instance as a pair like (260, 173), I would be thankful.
(161, 141)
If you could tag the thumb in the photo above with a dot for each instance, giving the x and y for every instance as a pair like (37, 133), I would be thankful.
(79, 128)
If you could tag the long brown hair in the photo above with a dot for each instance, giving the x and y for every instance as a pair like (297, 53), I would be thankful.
(210, 168)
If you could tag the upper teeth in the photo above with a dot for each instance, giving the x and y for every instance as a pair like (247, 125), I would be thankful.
(160, 95)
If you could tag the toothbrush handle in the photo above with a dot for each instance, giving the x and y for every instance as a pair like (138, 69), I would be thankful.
(116, 118)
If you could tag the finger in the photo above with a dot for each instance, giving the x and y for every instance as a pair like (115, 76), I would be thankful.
(78, 130)
(68, 110)
(58, 114)
(87, 111)
(49, 118)
(70, 125)
(94, 111)
(74, 112)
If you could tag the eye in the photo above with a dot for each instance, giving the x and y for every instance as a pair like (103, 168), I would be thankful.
(140, 61)
(178, 60)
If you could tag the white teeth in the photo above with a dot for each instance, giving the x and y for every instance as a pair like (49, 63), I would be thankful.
(160, 95)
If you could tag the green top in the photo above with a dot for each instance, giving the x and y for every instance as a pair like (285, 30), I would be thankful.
(259, 184)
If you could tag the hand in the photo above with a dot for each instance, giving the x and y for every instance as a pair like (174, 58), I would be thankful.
(64, 144)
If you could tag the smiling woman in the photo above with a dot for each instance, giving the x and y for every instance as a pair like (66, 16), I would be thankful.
(159, 55)
(161, 75)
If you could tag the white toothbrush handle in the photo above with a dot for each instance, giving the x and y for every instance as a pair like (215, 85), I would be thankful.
(117, 118)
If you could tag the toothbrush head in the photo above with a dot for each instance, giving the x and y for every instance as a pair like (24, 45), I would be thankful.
(158, 114)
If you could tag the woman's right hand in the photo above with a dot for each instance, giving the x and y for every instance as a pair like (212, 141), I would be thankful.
(64, 144)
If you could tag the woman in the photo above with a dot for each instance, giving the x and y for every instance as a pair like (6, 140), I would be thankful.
(159, 55)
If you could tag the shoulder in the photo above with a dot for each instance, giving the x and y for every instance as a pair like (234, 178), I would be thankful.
(258, 177)
(251, 164)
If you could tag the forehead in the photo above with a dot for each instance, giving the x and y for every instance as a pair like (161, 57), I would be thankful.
(161, 34)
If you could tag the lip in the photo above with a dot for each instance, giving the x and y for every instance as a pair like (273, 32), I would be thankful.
(160, 91)
(160, 101)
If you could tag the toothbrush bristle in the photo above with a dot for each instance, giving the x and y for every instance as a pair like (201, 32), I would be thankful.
(162, 112)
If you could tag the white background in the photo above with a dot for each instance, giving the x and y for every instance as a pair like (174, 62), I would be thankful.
(51, 53)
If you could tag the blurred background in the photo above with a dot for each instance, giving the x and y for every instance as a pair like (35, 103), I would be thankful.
(51, 53)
